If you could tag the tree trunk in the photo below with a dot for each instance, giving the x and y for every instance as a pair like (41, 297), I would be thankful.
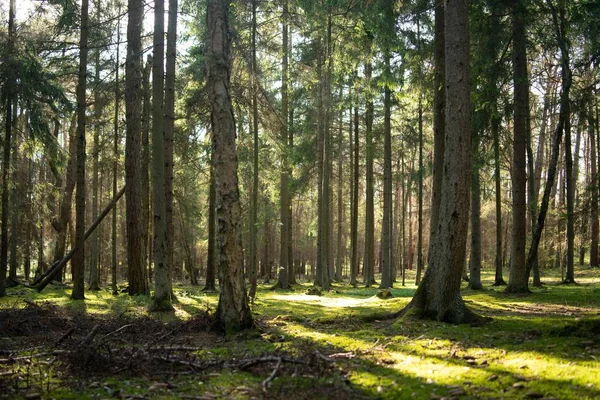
(162, 287)
(115, 168)
(369, 263)
(498, 278)
(594, 188)
(137, 279)
(6, 158)
(254, 207)
(438, 296)
(518, 275)
(169, 128)
(94, 283)
(340, 205)
(386, 229)
(284, 268)
(145, 178)
(211, 262)
(78, 261)
(475, 259)
(355, 182)
(233, 312)
(439, 118)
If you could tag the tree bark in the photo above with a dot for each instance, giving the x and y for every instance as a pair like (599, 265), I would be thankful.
(233, 313)
(169, 128)
(284, 267)
(386, 228)
(355, 182)
(594, 188)
(438, 296)
(78, 261)
(439, 118)
(6, 159)
(518, 275)
(211, 262)
(369, 263)
(115, 168)
(254, 207)
(162, 287)
(495, 125)
(137, 279)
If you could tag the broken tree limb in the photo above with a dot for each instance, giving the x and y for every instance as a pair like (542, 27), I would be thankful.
(57, 267)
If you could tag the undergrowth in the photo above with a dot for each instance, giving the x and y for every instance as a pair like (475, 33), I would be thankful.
(342, 344)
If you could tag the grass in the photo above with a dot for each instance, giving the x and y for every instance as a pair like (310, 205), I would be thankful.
(545, 345)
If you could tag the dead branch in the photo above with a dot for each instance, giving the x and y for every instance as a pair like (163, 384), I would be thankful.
(267, 382)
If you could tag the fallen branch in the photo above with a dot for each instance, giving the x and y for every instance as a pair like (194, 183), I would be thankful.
(65, 336)
(90, 336)
(267, 382)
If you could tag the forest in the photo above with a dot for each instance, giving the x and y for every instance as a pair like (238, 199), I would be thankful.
(336, 199)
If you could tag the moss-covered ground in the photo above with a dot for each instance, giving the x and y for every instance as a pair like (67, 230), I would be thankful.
(341, 344)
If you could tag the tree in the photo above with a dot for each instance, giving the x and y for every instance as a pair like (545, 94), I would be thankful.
(78, 261)
(211, 262)
(233, 313)
(438, 296)
(138, 282)
(518, 275)
(369, 263)
(253, 256)
(162, 286)
(6, 157)
(169, 128)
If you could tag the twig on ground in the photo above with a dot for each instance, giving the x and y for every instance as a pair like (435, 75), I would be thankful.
(65, 336)
(90, 336)
(268, 381)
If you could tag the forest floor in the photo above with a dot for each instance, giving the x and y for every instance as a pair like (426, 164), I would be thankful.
(341, 345)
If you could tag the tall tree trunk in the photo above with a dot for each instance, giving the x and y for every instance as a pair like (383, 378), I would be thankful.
(15, 211)
(6, 158)
(518, 275)
(495, 125)
(355, 182)
(115, 167)
(94, 283)
(386, 229)
(340, 205)
(369, 263)
(169, 128)
(138, 283)
(211, 262)
(145, 178)
(438, 296)
(420, 265)
(162, 287)
(78, 261)
(254, 208)
(594, 188)
(475, 259)
(284, 268)
(326, 274)
(233, 312)
(571, 178)
(439, 119)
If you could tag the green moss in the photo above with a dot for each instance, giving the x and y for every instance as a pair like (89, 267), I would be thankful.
(543, 344)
